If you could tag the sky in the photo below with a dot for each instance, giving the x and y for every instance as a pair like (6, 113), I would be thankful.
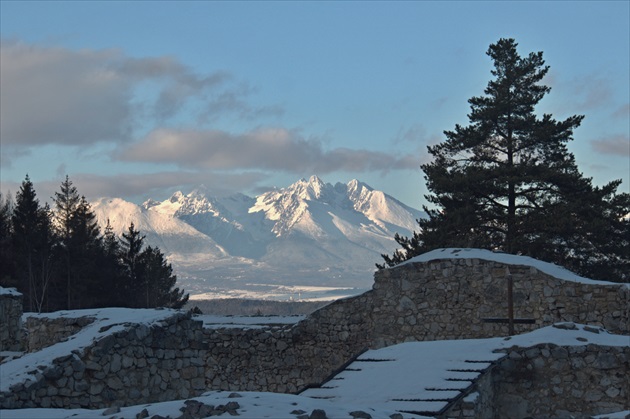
(140, 99)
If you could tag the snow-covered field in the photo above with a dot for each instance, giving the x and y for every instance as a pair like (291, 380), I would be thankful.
(280, 293)
(253, 405)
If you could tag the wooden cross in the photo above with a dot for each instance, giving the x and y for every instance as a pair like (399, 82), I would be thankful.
(510, 320)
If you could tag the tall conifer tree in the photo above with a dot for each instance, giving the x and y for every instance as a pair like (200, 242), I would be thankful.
(111, 270)
(508, 182)
(7, 266)
(32, 241)
(158, 281)
(149, 279)
(86, 247)
(130, 249)
(66, 204)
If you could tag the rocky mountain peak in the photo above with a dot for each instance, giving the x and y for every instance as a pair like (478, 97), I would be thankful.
(308, 229)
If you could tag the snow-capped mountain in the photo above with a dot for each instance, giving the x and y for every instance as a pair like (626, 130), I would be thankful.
(169, 233)
(310, 233)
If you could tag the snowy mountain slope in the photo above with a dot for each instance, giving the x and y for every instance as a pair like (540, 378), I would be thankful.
(309, 233)
(169, 233)
(221, 219)
(304, 204)
(318, 224)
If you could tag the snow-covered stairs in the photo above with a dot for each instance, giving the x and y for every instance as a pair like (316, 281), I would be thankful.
(416, 377)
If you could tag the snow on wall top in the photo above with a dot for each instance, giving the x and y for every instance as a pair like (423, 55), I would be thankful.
(508, 259)
(107, 321)
(9, 291)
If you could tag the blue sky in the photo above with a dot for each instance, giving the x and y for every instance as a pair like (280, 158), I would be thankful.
(139, 99)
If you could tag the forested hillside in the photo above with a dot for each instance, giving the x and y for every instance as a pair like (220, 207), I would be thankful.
(59, 259)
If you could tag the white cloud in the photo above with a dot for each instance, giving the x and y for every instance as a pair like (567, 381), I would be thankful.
(263, 149)
(58, 96)
(54, 95)
(137, 187)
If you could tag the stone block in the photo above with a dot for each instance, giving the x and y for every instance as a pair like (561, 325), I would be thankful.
(114, 383)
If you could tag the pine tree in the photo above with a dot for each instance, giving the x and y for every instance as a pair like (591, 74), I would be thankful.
(46, 262)
(32, 242)
(66, 204)
(508, 182)
(111, 244)
(149, 279)
(7, 266)
(86, 247)
(112, 280)
(158, 281)
(130, 249)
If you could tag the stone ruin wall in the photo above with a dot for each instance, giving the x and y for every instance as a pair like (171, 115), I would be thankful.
(178, 359)
(550, 381)
(42, 332)
(556, 381)
(445, 299)
(10, 320)
(449, 298)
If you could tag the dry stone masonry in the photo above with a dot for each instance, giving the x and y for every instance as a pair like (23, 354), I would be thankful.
(178, 358)
(450, 298)
(10, 319)
(44, 332)
(558, 381)
(551, 381)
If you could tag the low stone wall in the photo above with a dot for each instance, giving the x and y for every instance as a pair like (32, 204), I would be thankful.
(43, 332)
(179, 359)
(548, 380)
(136, 365)
(450, 298)
(443, 299)
(10, 320)
(562, 382)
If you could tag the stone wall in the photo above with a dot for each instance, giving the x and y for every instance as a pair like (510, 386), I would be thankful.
(178, 359)
(562, 382)
(10, 320)
(442, 299)
(135, 365)
(43, 332)
(450, 298)
(546, 381)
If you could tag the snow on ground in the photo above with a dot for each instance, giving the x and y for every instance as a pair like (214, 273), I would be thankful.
(9, 291)
(380, 382)
(107, 321)
(508, 259)
(617, 415)
(418, 376)
(253, 405)
(246, 322)
(281, 292)
(410, 376)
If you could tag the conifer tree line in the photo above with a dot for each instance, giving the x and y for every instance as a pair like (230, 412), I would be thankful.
(507, 182)
(59, 259)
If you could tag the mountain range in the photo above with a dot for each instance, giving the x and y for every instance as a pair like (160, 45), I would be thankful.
(309, 240)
